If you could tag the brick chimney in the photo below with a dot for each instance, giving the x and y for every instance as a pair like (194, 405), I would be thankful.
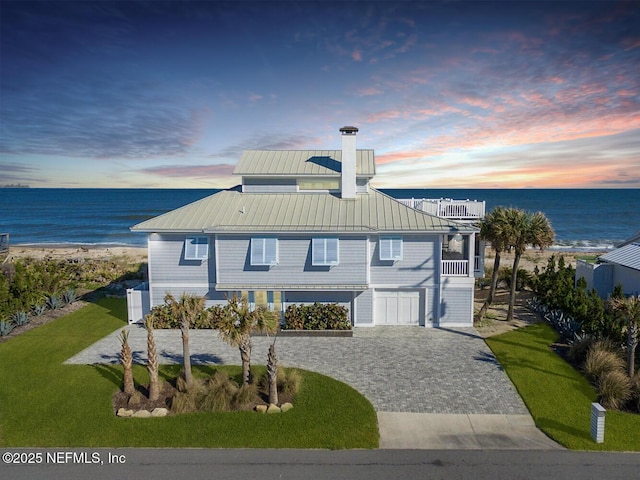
(348, 175)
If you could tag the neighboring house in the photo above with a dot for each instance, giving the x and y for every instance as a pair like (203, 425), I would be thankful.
(306, 226)
(619, 266)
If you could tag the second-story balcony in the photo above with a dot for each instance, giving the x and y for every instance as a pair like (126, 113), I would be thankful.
(448, 208)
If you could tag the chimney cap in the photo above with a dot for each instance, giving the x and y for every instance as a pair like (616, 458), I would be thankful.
(349, 130)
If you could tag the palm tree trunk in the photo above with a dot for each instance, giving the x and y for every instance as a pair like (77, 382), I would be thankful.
(514, 281)
(245, 355)
(152, 365)
(186, 353)
(632, 343)
(127, 360)
(492, 287)
(272, 375)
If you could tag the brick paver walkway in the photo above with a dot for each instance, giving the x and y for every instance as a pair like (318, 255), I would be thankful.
(399, 369)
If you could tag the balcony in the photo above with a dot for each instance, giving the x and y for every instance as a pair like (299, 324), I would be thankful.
(455, 268)
(448, 208)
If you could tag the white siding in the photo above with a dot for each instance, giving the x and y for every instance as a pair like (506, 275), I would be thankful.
(417, 267)
(456, 306)
(364, 308)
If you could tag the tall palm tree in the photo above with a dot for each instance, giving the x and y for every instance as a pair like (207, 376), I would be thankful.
(152, 361)
(493, 229)
(187, 309)
(126, 357)
(630, 308)
(525, 228)
(237, 323)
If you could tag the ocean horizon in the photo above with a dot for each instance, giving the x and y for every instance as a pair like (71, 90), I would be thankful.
(584, 219)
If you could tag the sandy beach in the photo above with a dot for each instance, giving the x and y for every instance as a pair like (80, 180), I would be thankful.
(40, 252)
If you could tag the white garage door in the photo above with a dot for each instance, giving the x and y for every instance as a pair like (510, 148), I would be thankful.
(397, 307)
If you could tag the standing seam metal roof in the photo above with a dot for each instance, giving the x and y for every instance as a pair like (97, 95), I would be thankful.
(302, 163)
(627, 256)
(234, 211)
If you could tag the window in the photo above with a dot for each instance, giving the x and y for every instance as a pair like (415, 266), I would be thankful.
(390, 248)
(196, 248)
(264, 251)
(325, 251)
(318, 184)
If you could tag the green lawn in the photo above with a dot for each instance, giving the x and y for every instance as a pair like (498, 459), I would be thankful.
(558, 397)
(44, 403)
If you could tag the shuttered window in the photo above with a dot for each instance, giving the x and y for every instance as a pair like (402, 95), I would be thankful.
(196, 248)
(391, 248)
(325, 251)
(264, 251)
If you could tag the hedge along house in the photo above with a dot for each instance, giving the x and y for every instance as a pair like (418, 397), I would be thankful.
(305, 227)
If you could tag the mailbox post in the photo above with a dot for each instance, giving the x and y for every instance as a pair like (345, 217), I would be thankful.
(597, 422)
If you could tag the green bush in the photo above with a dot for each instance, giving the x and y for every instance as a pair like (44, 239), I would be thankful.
(318, 316)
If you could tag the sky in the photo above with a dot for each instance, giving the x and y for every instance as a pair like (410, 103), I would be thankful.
(449, 94)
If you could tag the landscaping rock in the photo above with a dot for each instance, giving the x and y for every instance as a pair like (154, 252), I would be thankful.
(142, 414)
(159, 412)
(261, 408)
(285, 407)
(273, 408)
(123, 412)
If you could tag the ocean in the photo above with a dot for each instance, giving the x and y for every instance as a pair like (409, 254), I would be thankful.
(584, 219)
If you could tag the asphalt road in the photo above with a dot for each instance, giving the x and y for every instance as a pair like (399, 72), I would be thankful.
(195, 464)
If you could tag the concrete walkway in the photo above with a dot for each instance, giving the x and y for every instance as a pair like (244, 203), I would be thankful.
(432, 388)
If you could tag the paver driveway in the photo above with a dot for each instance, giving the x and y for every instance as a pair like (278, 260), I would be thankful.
(399, 369)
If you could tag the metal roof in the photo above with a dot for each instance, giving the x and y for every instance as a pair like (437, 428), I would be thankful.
(234, 211)
(302, 163)
(627, 256)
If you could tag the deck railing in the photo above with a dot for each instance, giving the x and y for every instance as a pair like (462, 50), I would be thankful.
(448, 208)
(455, 268)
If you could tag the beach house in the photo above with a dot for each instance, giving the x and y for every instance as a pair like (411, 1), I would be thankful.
(619, 266)
(306, 226)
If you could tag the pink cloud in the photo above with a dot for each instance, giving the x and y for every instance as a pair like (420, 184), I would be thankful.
(356, 55)
(369, 91)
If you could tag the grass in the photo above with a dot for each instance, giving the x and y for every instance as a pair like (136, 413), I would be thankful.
(559, 397)
(44, 403)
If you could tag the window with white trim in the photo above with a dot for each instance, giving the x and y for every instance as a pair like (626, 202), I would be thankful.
(325, 251)
(391, 248)
(264, 251)
(196, 248)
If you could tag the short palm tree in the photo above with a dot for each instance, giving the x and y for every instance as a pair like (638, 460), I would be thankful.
(152, 361)
(525, 228)
(272, 374)
(630, 308)
(236, 324)
(126, 357)
(493, 229)
(187, 309)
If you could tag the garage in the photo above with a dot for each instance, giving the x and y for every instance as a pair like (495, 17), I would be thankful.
(397, 307)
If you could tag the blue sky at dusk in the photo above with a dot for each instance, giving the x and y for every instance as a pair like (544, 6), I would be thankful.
(449, 94)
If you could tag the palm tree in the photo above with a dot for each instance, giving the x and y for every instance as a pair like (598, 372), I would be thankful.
(492, 229)
(630, 308)
(152, 361)
(126, 357)
(187, 309)
(272, 374)
(237, 323)
(525, 228)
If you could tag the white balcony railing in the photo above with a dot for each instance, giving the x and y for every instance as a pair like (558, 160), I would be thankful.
(455, 268)
(448, 208)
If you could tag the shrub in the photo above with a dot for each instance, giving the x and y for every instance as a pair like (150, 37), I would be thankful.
(39, 309)
(69, 296)
(614, 389)
(317, 317)
(635, 391)
(579, 349)
(600, 361)
(54, 302)
(6, 326)
(20, 318)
